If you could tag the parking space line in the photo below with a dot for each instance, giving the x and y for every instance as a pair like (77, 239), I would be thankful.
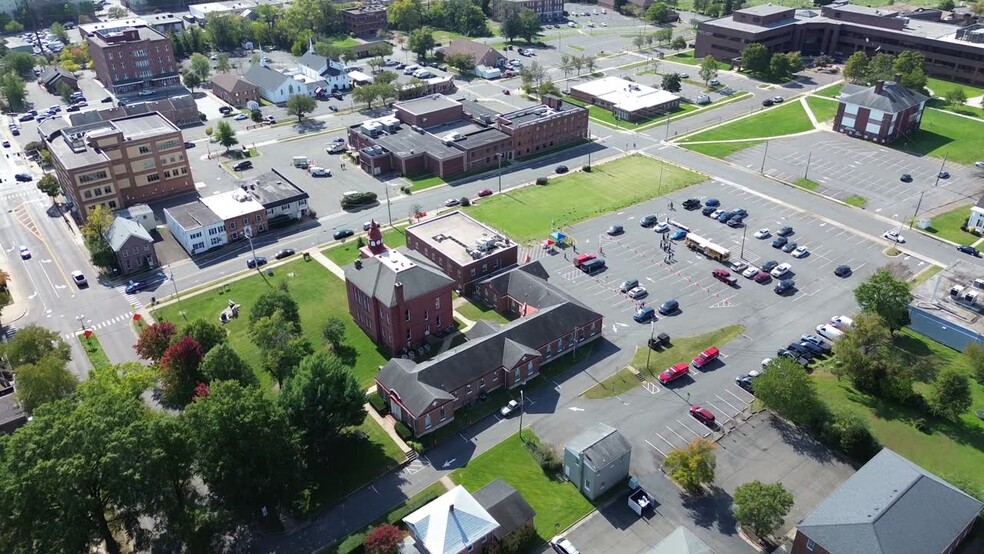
(737, 411)
(705, 435)
(664, 440)
(746, 402)
(723, 413)
(656, 449)
(685, 441)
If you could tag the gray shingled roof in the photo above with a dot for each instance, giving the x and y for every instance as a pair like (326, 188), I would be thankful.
(682, 541)
(122, 229)
(504, 503)
(231, 82)
(893, 97)
(378, 280)
(52, 73)
(600, 445)
(265, 78)
(528, 284)
(890, 506)
(398, 375)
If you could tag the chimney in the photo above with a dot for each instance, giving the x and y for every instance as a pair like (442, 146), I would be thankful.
(451, 508)
(898, 77)
(879, 84)
(398, 292)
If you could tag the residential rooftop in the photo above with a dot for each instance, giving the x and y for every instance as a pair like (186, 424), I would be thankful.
(427, 104)
(193, 215)
(232, 204)
(273, 189)
(458, 236)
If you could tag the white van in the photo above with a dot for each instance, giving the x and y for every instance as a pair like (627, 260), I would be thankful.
(408, 70)
(300, 161)
(423, 74)
(829, 332)
(841, 322)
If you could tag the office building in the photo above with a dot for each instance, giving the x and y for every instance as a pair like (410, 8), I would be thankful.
(364, 19)
(880, 113)
(132, 59)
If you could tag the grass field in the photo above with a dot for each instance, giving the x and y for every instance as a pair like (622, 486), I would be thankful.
(856, 201)
(830, 92)
(951, 450)
(422, 183)
(944, 134)
(687, 57)
(682, 349)
(939, 87)
(349, 250)
(318, 293)
(784, 120)
(475, 312)
(94, 351)
(947, 225)
(557, 503)
(532, 212)
(807, 184)
(721, 149)
(925, 275)
(823, 110)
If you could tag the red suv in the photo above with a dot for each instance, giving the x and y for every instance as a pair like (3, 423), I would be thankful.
(702, 415)
(706, 357)
(674, 373)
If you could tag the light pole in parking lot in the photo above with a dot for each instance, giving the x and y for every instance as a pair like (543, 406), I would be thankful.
(652, 333)
(522, 408)
(764, 156)
(806, 174)
(389, 212)
(248, 232)
(741, 255)
(499, 156)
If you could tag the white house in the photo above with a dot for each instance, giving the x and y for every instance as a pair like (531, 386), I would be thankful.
(275, 86)
(196, 227)
(976, 220)
(317, 67)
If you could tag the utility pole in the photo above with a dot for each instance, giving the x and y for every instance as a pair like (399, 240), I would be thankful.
(937, 183)
(762, 169)
(659, 186)
(919, 203)
(175, 283)
(499, 155)
(652, 333)
(744, 229)
(806, 174)
(248, 231)
(389, 211)
(522, 408)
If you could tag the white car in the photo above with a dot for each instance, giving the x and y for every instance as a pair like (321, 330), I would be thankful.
(661, 227)
(336, 148)
(509, 409)
(752, 271)
(738, 267)
(320, 172)
(765, 364)
(894, 236)
(979, 164)
(829, 332)
(571, 24)
(781, 270)
(763, 233)
(452, 202)
(842, 322)
(241, 116)
(638, 292)
(800, 252)
(79, 279)
(562, 545)
(716, 213)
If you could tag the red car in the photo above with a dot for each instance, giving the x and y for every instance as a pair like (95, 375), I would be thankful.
(484, 192)
(674, 373)
(762, 277)
(702, 415)
(724, 276)
(706, 357)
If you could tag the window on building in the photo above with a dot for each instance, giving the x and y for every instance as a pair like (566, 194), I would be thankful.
(425, 315)
(437, 304)
(232, 224)
(427, 329)
(153, 178)
(408, 335)
(144, 149)
(259, 217)
(87, 194)
(234, 236)
(517, 377)
(810, 544)
(473, 272)
(126, 253)
(216, 240)
(427, 421)
(444, 413)
(438, 321)
(529, 368)
(481, 384)
(407, 314)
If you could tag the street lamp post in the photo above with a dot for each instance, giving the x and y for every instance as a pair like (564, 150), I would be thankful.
(942, 165)
(649, 345)
(175, 284)
(389, 211)
(81, 318)
(248, 231)
(764, 155)
(522, 408)
(806, 174)
(915, 213)
(499, 155)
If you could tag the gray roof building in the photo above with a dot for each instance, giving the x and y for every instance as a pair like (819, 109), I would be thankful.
(889, 97)
(600, 444)
(597, 460)
(506, 506)
(378, 276)
(890, 506)
(274, 189)
(50, 77)
(682, 541)
(193, 215)
(122, 229)
(451, 523)
(266, 78)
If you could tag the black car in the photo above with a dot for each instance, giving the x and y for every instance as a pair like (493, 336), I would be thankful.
(281, 254)
(785, 287)
(256, 262)
(736, 222)
(615, 230)
(107, 100)
(225, 110)
(969, 250)
(785, 231)
(767, 102)
(648, 221)
(741, 212)
(691, 204)
(842, 271)
(769, 266)
(189, 144)
(708, 210)
(800, 350)
(561, 169)
(333, 108)
(23, 177)
(783, 353)
(745, 382)
(342, 233)
(906, 178)
(779, 242)
(669, 307)
(944, 174)
(725, 216)
(243, 165)
(814, 349)
(790, 246)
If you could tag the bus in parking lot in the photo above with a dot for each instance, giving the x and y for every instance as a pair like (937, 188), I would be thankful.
(706, 247)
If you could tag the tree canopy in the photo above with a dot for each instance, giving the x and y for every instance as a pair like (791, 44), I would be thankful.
(300, 104)
(322, 398)
(762, 507)
(693, 465)
(887, 296)
(32, 343)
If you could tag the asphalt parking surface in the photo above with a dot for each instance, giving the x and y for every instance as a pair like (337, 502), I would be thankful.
(845, 166)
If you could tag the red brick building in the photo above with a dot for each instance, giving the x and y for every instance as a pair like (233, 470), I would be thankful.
(881, 113)
(398, 302)
(234, 90)
(131, 59)
(426, 396)
(365, 19)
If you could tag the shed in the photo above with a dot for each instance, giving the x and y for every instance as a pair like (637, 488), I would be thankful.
(596, 460)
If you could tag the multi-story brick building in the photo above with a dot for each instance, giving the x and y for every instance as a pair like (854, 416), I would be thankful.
(118, 163)
(446, 137)
(130, 59)
(426, 396)
(398, 301)
(951, 52)
(881, 113)
(548, 10)
(365, 19)
(132, 244)
(234, 90)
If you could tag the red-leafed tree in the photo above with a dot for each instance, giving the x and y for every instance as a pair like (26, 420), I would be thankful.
(383, 539)
(180, 371)
(155, 340)
(201, 391)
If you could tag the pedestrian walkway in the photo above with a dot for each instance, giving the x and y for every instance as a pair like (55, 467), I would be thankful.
(329, 265)
(388, 424)
(809, 112)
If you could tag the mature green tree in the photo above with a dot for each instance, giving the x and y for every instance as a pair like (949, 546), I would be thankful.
(14, 90)
(973, 358)
(13, 27)
(300, 105)
(223, 363)
(756, 58)
(881, 67)
(761, 506)
(678, 43)
(529, 25)
(887, 296)
(222, 64)
(48, 184)
(671, 82)
(32, 343)
(405, 15)
(464, 63)
(786, 388)
(129, 378)
(639, 41)
(856, 67)
(191, 79)
(87, 469)
(274, 300)
(779, 66)
(101, 253)
(951, 395)
(366, 95)
(955, 96)
(908, 61)
(863, 352)
(247, 453)
(511, 27)
(693, 465)
(795, 60)
(708, 69)
(915, 80)
(96, 224)
(208, 335)
(658, 12)
(65, 91)
(946, 5)
(200, 65)
(117, 12)
(226, 31)
(225, 135)
(663, 36)
(45, 381)
(547, 87)
(281, 343)
(20, 63)
(421, 42)
(321, 399)
(333, 333)
(58, 30)
(589, 63)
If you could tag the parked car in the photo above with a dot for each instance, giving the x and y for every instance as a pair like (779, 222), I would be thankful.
(762, 277)
(450, 202)
(768, 102)
(644, 314)
(829, 332)
(738, 266)
(706, 357)
(745, 382)
(969, 250)
(648, 220)
(240, 116)
(816, 341)
(484, 192)
(637, 292)
(691, 204)
(340, 234)
(281, 254)
(253, 263)
(777, 99)
(135, 286)
(769, 265)
(736, 221)
(785, 231)
(661, 227)
(785, 287)
(842, 322)
(751, 272)
(724, 276)
(779, 242)
(615, 230)
(318, 171)
(628, 285)
(678, 234)
(561, 169)
(702, 415)
(189, 144)
(708, 210)
(243, 165)
(669, 307)
(790, 246)
(79, 279)
(906, 178)
(23, 177)
(800, 252)
(712, 202)
(894, 236)
(780, 270)
(944, 174)
(562, 545)
(673, 373)
(762, 233)
(509, 409)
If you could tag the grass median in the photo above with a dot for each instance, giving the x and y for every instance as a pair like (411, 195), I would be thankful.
(948, 226)
(94, 351)
(531, 213)
(785, 120)
(348, 251)
(823, 109)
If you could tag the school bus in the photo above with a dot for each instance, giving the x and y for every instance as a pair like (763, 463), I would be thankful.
(706, 247)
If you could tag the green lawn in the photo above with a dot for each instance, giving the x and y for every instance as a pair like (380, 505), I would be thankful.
(944, 134)
(721, 149)
(682, 349)
(823, 110)
(557, 503)
(319, 295)
(94, 351)
(474, 311)
(687, 57)
(951, 450)
(425, 182)
(608, 118)
(807, 184)
(532, 212)
(784, 120)
(947, 225)
(830, 92)
(925, 275)
(940, 87)
(855, 200)
(348, 251)
(343, 41)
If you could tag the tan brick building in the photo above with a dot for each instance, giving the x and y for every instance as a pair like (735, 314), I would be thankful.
(122, 162)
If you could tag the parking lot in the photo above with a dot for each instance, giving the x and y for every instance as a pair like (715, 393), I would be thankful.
(845, 166)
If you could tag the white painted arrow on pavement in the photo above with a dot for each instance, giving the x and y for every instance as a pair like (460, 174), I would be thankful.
(448, 463)
(33, 295)
(46, 261)
(575, 409)
(61, 286)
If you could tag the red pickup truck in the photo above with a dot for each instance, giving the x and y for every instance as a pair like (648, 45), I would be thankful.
(706, 357)
(725, 276)
(674, 373)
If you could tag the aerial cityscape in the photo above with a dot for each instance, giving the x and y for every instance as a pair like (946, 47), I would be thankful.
(509, 276)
